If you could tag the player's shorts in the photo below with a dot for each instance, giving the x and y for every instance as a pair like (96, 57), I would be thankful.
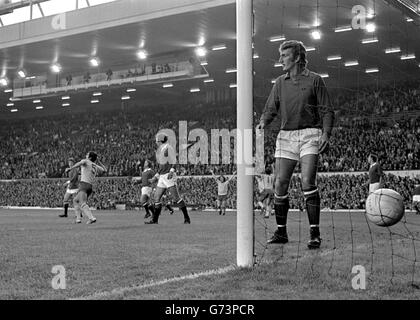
(222, 197)
(72, 191)
(374, 186)
(266, 193)
(85, 187)
(294, 144)
(416, 199)
(146, 191)
(164, 182)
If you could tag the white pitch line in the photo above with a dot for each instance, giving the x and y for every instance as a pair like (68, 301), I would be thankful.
(150, 284)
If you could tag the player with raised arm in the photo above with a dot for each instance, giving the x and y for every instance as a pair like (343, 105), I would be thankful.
(72, 187)
(375, 173)
(222, 191)
(90, 167)
(146, 187)
(301, 99)
(266, 191)
(166, 179)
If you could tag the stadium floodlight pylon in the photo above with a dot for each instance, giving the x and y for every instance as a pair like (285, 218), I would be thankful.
(244, 114)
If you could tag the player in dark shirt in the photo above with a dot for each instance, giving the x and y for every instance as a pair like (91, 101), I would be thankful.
(146, 187)
(301, 100)
(375, 173)
(72, 187)
(166, 179)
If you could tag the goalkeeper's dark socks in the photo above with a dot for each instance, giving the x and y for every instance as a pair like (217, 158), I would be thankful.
(313, 206)
(314, 231)
(281, 208)
(66, 208)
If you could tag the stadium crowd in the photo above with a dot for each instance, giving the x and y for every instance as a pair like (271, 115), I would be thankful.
(37, 149)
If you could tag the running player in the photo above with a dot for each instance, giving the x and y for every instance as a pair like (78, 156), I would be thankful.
(266, 190)
(72, 187)
(375, 173)
(146, 187)
(89, 169)
(222, 191)
(166, 179)
(301, 99)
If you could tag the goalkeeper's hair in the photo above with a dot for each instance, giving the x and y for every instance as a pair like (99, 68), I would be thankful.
(298, 50)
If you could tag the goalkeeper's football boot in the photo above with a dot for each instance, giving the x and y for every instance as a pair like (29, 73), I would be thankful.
(187, 221)
(315, 240)
(280, 236)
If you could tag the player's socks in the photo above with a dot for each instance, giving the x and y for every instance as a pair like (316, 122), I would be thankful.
(171, 211)
(66, 207)
(151, 208)
(146, 207)
(86, 210)
(156, 213)
(78, 212)
(183, 208)
(281, 208)
(313, 202)
(313, 205)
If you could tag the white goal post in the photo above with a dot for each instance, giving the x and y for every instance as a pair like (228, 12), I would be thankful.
(244, 115)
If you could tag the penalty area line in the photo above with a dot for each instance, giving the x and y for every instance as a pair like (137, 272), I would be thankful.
(120, 291)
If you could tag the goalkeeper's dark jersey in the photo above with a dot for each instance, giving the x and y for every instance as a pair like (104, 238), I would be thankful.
(301, 104)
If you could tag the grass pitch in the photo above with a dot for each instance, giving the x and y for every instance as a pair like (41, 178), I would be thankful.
(121, 258)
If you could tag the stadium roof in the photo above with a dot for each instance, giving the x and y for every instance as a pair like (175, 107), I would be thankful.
(343, 58)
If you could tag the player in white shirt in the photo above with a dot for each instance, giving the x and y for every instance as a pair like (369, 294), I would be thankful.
(222, 191)
(266, 191)
(89, 170)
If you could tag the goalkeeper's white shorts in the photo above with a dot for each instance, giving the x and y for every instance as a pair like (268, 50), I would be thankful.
(294, 144)
(146, 191)
(165, 183)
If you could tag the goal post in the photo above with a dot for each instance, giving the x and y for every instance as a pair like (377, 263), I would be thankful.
(244, 114)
